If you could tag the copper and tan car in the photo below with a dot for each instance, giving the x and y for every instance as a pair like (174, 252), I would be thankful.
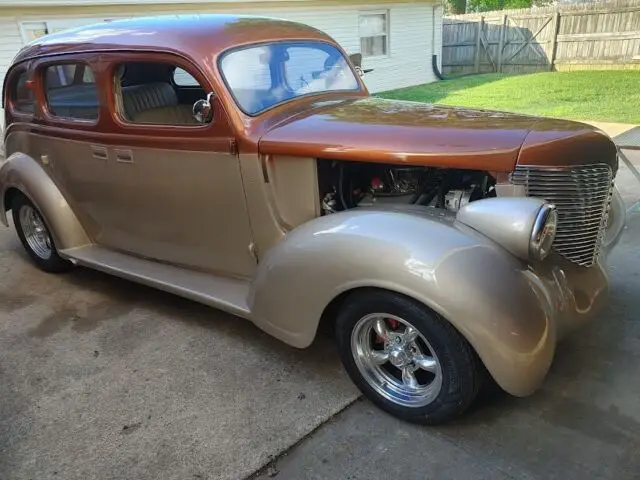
(241, 162)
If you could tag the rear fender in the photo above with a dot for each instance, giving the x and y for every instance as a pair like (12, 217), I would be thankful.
(26, 175)
(461, 275)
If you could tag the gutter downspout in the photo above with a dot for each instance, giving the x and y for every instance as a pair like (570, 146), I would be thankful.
(434, 56)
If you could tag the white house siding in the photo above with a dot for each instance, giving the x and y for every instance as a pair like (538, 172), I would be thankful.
(415, 32)
(10, 42)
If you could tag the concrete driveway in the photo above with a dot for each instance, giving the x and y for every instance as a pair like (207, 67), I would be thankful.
(104, 379)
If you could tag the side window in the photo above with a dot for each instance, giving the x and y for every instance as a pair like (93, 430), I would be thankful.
(22, 97)
(71, 91)
(156, 93)
(182, 78)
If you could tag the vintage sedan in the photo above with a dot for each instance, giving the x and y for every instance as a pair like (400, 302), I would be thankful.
(241, 162)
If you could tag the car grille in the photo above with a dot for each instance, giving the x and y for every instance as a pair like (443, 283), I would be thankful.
(582, 195)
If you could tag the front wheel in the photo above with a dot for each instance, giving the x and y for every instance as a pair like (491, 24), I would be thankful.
(35, 236)
(406, 359)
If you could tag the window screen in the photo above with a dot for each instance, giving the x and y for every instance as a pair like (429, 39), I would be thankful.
(71, 91)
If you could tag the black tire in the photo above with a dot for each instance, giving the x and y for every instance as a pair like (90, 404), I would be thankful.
(54, 263)
(461, 368)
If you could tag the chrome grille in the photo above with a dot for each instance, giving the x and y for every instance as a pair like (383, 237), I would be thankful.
(582, 195)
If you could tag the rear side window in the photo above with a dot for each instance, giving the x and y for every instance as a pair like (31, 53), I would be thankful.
(182, 78)
(22, 97)
(71, 91)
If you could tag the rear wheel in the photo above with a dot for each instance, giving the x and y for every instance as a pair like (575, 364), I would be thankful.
(405, 359)
(35, 236)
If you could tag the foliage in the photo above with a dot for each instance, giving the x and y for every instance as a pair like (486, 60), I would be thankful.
(606, 95)
(455, 7)
(470, 6)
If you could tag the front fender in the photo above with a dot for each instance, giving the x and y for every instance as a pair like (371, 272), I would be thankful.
(472, 282)
(23, 173)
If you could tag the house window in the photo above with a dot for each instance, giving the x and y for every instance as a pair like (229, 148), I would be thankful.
(374, 34)
(34, 30)
(71, 91)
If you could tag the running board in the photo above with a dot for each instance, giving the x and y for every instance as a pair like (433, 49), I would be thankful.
(224, 293)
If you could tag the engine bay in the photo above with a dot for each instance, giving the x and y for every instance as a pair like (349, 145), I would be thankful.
(344, 185)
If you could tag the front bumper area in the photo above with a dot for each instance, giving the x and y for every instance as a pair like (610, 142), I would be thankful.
(570, 295)
(578, 293)
(559, 297)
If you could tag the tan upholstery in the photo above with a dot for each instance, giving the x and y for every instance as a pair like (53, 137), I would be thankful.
(155, 103)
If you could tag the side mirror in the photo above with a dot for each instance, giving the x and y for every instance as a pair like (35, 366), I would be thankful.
(203, 110)
(356, 60)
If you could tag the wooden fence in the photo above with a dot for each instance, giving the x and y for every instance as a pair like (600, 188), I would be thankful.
(583, 36)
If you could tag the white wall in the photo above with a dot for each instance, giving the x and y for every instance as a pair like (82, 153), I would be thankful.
(410, 39)
(10, 42)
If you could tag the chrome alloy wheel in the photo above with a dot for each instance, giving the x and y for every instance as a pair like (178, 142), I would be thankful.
(396, 360)
(35, 232)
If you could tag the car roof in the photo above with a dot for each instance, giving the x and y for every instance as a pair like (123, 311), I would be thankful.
(195, 36)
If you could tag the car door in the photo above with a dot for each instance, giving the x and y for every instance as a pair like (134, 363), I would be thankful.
(66, 135)
(177, 193)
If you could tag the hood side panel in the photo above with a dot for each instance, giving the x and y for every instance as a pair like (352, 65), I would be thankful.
(390, 131)
(554, 143)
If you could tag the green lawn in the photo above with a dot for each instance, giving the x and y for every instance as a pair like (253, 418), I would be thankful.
(608, 96)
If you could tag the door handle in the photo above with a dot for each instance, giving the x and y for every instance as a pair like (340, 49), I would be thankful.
(99, 153)
(124, 156)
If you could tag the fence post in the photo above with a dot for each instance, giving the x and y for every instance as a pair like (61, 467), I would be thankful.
(503, 30)
(554, 43)
(476, 61)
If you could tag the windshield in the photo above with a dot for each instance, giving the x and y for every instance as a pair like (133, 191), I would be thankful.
(260, 77)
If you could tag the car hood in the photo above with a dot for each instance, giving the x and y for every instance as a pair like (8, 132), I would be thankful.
(379, 130)
(391, 131)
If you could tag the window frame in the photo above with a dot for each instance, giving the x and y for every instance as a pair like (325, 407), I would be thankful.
(119, 116)
(46, 111)
(236, 103)
(219, 127)
(387, 35)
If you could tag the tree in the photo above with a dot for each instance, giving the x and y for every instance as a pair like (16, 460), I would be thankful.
(490, 5)
(471, 6)
(457, 6)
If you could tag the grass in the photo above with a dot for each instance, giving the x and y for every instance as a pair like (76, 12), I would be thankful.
(605, 95)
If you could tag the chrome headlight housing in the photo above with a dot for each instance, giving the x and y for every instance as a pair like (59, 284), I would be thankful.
(543, 233)
(525, 226)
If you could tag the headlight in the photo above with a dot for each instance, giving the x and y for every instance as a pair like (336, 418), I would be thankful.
(544, 232)
(526, 226)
